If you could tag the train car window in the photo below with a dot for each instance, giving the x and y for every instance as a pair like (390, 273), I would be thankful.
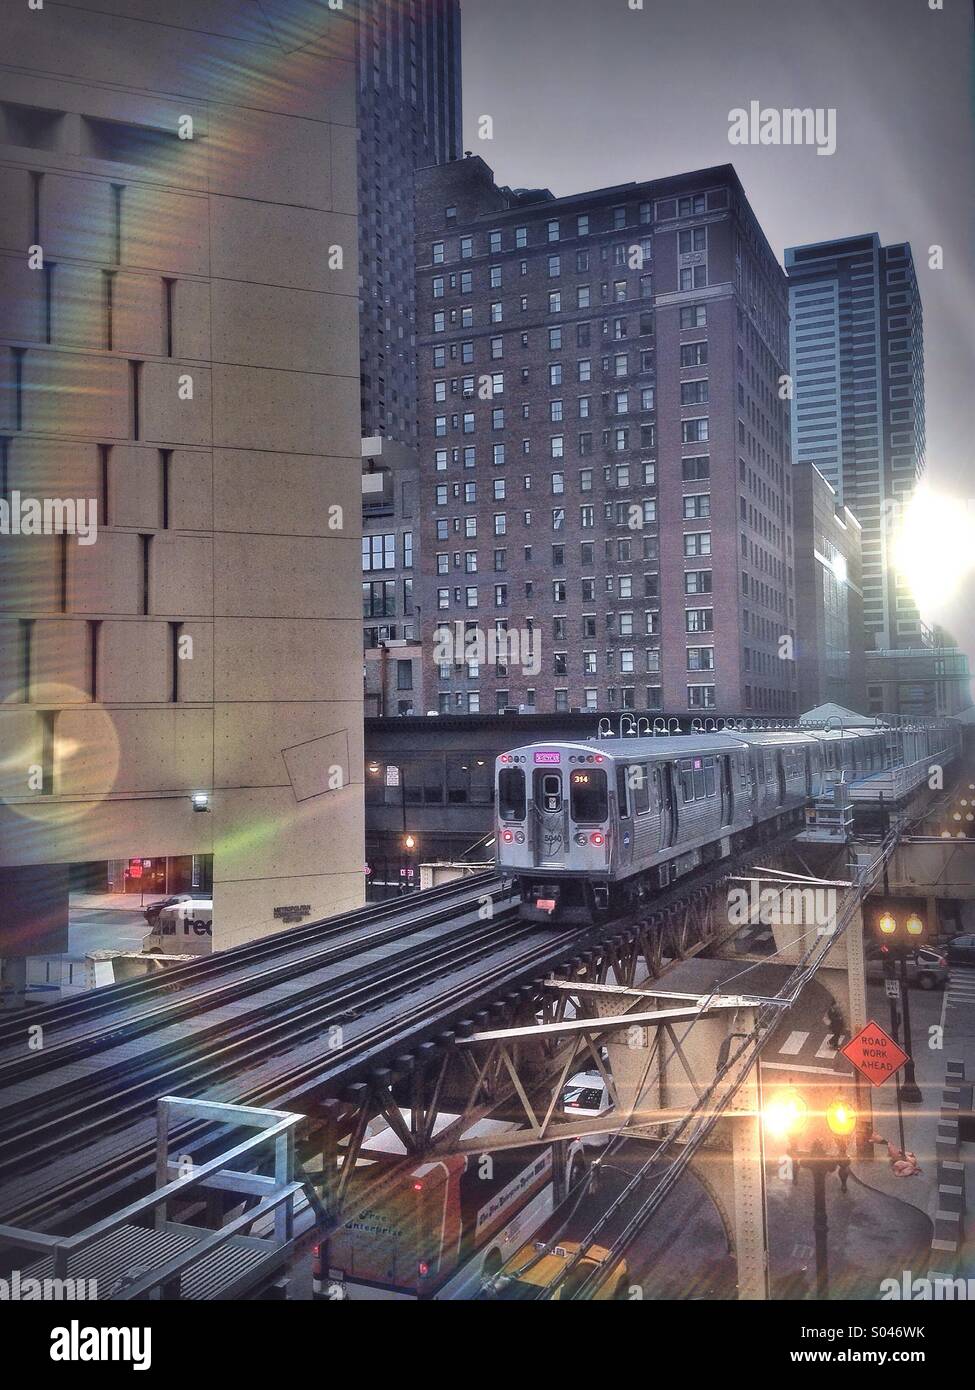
(589, 796)
(687, 779)
(640, 787)
(622, 792)
(551, 791)
(511, 793)
(709, 776)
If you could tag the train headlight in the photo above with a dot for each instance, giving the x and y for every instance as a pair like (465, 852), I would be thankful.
(520, 837)
(582, 839)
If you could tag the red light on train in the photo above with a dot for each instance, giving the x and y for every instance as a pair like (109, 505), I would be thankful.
(596, 839)
(507, 836)
(418, 1187)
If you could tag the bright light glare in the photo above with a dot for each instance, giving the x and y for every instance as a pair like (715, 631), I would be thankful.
(841, 1118)
(784, 1113)
(933, 547)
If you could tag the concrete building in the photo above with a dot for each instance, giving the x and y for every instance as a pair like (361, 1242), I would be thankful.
(603, 450)
(408, 104)
(857, 349)
(829, 596)
(393, 671)
(180, 357)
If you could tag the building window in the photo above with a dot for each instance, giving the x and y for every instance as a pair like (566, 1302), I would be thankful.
(694, 316)
(699, 620)
(694, 431)
(701, 697)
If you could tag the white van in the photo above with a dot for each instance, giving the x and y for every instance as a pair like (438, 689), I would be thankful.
(184, 929)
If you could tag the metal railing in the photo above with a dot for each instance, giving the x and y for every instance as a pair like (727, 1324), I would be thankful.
(277, 1193)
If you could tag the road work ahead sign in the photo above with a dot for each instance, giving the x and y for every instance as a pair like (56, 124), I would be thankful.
(875, 1054)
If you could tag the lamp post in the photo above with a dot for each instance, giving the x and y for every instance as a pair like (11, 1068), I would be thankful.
(786, 1115)
(901, 931)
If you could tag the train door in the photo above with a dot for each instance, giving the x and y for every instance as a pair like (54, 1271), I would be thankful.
(624, 801)
(780, 775)
(549, 812)
(807, 764)
(727, 791)
(663, 774)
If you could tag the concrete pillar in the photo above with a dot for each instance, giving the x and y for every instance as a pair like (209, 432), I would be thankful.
(748, 1174)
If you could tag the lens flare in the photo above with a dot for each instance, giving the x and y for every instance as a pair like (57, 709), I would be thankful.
(933, 547)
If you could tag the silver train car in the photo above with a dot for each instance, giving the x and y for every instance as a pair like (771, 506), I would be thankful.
(595, 827)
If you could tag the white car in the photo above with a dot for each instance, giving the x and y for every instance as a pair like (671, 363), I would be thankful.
(586, 1096)
(182, 929)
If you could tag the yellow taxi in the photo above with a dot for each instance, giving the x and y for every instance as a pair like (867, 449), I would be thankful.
(530, 1270)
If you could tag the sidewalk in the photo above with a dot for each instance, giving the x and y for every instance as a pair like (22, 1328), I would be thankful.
(101, 902)
(871, 1236)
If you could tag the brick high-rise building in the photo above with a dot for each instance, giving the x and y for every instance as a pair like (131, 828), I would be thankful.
(604, 454)
(858, 357)
(409, 113)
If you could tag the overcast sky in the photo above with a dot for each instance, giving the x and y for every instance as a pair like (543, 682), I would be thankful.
(588, 93)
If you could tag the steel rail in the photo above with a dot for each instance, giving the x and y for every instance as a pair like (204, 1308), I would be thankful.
(14, 1070)
(102, 1001)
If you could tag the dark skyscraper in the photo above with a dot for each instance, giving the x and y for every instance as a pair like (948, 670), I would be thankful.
(409, 115)
(858, 414)
(603, 449)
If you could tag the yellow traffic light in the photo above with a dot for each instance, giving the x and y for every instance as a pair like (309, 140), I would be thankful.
(914, 925)
(785, 1112)
(887, 924)
(410, 842)
(841, 1117)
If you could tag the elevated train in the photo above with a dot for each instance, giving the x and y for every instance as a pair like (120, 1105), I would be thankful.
(592, 827)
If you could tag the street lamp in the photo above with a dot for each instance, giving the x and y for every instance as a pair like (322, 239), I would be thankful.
(408, 871)
(786, 1115)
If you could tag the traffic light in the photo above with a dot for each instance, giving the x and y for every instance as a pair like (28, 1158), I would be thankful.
(899, 924)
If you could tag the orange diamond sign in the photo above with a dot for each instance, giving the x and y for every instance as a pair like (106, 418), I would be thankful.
(875, 1054)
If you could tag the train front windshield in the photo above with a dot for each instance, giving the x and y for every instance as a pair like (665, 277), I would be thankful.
(589, 796)
(511, 794)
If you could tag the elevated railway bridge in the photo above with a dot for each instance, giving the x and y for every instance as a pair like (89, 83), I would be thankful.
(428, 1015)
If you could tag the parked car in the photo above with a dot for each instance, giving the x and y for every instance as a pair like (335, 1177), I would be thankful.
(926, 968)
(152, 910)
(961, 950)
(586, 1096)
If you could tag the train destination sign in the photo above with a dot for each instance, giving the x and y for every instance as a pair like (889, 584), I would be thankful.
(874, 1054)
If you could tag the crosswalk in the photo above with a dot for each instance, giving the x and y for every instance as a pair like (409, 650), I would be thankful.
(960, 990)
(805, 1049)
